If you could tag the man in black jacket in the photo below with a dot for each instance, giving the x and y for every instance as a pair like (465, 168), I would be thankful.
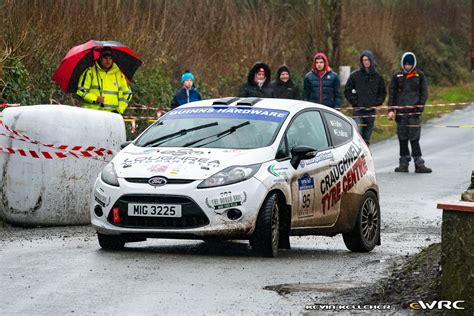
(365, 89)
(258, 82)
(408, 95)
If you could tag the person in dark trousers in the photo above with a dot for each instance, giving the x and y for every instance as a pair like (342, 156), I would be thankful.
(258, 82)
(408, 95)
(321, 84)
(187, 93)
(365, 89)
(283, 86)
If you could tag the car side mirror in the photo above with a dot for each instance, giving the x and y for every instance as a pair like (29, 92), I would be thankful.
(299, 153)
(123, 145)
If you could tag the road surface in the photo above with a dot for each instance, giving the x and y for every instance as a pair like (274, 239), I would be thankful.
(62, 270)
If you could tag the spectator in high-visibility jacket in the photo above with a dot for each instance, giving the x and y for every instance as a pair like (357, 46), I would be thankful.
(103, 86)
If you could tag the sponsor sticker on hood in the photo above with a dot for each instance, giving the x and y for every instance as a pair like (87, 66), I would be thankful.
(228, 112)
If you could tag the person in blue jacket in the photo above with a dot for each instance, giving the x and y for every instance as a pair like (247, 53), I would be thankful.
(187, 93)
(321, 84)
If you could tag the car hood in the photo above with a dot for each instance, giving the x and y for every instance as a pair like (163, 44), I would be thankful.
(184, 163)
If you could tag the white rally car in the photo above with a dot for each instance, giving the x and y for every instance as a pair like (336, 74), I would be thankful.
(255, 169)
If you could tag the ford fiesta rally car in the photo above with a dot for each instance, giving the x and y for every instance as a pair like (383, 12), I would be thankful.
(255, 169)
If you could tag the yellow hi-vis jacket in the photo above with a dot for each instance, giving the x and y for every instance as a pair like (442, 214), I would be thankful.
(112, 85)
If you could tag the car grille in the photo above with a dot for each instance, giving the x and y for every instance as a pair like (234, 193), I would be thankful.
(169, 181)
(192, 215)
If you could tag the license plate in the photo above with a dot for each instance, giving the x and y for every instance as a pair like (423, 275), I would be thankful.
(154, 210)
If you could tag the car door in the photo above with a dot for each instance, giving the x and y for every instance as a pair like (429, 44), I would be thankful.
(331, 181)
(307, 129)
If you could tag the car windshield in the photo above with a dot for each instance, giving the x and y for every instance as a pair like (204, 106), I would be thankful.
(215, 127)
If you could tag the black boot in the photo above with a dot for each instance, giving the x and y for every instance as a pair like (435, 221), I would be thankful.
(422, 169)
(401, 168)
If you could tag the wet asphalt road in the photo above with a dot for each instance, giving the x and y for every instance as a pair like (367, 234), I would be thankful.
(63, 271)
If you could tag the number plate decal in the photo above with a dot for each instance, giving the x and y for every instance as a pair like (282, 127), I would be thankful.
(154, 210)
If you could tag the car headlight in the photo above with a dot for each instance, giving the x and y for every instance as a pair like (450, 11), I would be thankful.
(230, 175)
(109, 176)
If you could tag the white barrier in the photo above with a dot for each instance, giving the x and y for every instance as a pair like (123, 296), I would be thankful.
(49, 159)
(344, 73)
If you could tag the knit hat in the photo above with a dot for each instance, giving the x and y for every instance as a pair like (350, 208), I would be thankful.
(105, 51)
(187, 75)
(282, 69)
(408, 58)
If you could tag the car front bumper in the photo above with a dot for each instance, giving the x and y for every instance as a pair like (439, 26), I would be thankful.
(205, 211)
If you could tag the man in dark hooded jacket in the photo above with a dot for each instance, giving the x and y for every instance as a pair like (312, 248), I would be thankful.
(365, 89)
(321, 84)
(283, 86)
(258, 82)
(408, 95)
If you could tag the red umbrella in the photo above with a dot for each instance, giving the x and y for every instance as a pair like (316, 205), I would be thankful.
(82, 56)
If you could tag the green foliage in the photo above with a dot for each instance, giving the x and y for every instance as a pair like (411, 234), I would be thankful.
(20, 85)
(444, 60)
(16, 83)
(152, 86)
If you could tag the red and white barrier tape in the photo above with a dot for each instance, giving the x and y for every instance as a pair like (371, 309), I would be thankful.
(5, 105)
(139, 118)
(424, 125)
(36, 154)
(395, 107)
(147, 107)
(75, 151)
(399, 114)
(26, 138)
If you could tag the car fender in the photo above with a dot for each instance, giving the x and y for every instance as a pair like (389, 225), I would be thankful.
(276, 175)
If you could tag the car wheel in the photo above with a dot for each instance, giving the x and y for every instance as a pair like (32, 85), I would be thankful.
(366, 233)
(110, 242)
(266, 236)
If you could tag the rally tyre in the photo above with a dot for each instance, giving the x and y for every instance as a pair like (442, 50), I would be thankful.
(366, 233)
(266, 236)
(110, 242)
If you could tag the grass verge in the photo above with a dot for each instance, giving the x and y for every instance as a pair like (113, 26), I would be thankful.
(419, 278)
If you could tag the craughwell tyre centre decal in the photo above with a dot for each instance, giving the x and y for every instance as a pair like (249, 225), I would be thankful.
(343, 177)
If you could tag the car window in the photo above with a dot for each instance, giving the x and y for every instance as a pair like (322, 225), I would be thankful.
(307, 129)
(282, 151)
(340, 130)
(215, 128)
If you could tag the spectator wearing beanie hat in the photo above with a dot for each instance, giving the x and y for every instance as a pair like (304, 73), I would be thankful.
(187, 93)
(407, 98)
(283, 86)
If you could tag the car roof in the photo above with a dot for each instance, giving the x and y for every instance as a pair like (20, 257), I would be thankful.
(266, 103)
